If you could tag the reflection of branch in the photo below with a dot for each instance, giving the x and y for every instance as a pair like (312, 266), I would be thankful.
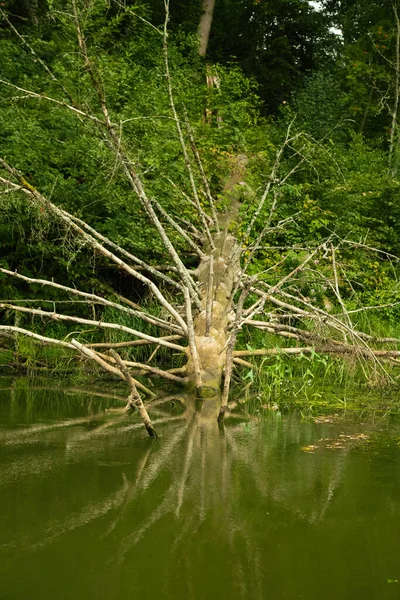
(21, 436)
(88, 514)
(334, 483)
(159, 462)
(157, 514)
(132, 489)
(192, 431)
(211, 474)
(79, 391)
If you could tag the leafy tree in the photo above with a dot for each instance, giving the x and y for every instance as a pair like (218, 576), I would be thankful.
(278, 43)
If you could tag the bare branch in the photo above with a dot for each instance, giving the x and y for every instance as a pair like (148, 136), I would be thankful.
(40, 338)
(210, 294)
(266, 229)
(94, 356)
(151, 269)
(342, 349)
(36, 57)
(192, 342)
(132, 344)
(179, 229)
(179, 129)
(299, 268)
(336, 288)
(243, 363)
(271, 181)
(101, 324)
(75, 110)
(202, 173)
(160, 372)
(89, 298)
(395, 109)
(230, 354)
(203, 215)
(134, 399)
(127, 164)
(134, 14)
(67, 218)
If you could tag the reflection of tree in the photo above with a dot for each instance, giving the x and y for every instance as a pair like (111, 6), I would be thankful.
(167, 505)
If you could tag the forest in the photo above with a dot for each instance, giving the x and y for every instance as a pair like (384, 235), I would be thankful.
(200, 193)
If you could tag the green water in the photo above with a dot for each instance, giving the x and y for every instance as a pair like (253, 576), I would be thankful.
(271, 507)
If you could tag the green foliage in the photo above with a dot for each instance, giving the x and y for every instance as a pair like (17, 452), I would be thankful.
(321, 107)
(275, 42)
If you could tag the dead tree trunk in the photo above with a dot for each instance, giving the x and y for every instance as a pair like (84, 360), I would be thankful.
(217, 272)
(211, 304)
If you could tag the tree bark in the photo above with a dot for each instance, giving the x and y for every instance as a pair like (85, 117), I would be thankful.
(205, 25)
(212, 323)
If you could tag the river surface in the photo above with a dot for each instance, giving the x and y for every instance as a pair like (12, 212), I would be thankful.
(273, 506)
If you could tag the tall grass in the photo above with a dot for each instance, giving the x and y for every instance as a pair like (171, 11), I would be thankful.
(318, 379)
(25, 354)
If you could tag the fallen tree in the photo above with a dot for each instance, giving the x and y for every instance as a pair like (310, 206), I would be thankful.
(205, 308)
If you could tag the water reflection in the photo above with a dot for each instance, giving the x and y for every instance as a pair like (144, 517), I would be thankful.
(262, 508)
